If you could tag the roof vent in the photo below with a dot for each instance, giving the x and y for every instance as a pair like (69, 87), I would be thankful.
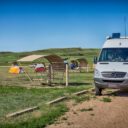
(108, 37)
(115, 35)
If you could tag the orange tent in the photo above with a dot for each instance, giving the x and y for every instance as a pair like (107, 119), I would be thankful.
(14, 69)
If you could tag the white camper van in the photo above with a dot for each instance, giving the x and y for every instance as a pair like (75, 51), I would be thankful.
(111, 69)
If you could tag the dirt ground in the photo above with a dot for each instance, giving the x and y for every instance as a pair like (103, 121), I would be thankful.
(112, 114)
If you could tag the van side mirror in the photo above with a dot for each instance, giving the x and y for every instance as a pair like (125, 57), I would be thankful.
(95, 60)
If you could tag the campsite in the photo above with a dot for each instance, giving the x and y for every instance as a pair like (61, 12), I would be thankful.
(63, 64)
(18, 93)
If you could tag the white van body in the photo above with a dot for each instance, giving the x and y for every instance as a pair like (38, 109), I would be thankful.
(111, 70)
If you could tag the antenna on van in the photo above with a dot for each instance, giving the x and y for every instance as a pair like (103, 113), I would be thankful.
(125, 26)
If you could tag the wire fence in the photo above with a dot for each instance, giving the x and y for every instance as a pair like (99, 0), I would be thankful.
(76, 77)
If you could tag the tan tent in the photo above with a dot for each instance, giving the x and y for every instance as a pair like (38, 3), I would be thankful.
(50, 58)
(56, 63)
(83, 62)
(30, 58)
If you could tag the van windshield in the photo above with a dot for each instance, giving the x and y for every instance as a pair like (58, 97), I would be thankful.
(114, 55)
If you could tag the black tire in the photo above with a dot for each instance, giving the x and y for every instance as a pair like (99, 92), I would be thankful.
(98, 91)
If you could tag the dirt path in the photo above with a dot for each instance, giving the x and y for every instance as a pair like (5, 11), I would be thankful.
(112, 114)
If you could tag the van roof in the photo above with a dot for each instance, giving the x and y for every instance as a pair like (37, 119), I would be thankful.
(121, 42)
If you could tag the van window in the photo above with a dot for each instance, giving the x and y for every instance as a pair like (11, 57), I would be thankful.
(114, 55)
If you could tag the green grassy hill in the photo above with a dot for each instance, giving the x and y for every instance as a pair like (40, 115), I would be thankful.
(6, 58)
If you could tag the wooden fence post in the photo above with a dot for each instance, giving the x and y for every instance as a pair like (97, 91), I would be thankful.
(49, 75)
(67, 75)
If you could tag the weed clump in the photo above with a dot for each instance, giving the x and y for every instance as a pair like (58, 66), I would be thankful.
(81, 99)
(106, 99)
(74, 112)
(88, 109)
(68, 123)
(64, 118)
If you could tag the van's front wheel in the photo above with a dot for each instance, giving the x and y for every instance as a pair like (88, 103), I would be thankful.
(98, 91)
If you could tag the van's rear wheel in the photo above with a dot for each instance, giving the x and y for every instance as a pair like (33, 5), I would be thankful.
(98, 91)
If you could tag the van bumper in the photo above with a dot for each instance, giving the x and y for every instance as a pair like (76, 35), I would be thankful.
(103, 83)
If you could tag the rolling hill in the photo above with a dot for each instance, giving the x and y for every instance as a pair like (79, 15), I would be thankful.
(6, 58)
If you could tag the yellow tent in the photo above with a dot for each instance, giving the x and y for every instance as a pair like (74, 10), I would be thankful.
(14, 69)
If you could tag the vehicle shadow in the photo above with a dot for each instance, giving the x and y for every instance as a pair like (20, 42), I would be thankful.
(120, 93)
(78, 84)
(70, 84)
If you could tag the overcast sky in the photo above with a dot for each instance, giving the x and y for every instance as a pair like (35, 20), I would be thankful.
(27, 25)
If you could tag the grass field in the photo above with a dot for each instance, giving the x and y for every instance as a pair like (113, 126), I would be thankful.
(17, 94)
(13, 97)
